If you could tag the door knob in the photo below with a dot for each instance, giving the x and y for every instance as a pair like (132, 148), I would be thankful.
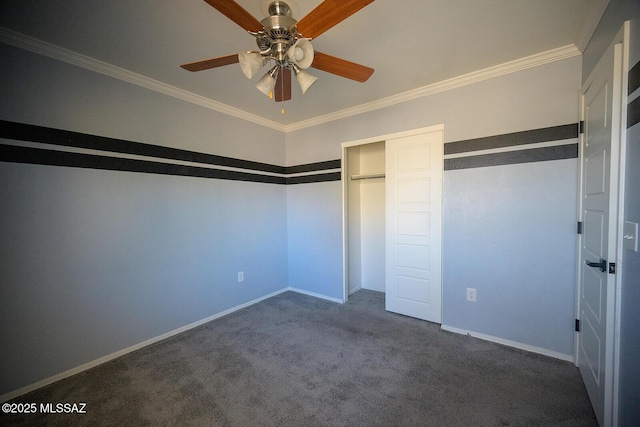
(602, 265)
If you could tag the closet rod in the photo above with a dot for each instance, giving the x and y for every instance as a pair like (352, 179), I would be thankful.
(369, 176)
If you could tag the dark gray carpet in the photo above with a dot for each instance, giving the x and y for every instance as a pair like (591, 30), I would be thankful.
(294, 360)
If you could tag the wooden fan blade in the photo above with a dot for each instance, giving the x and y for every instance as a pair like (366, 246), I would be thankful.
(237, 14)
(328, 14)
(341, 67)
(282, 90)
(211, 63)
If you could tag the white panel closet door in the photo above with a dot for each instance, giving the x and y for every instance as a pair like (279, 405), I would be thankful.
(414, 167)
(599, 167)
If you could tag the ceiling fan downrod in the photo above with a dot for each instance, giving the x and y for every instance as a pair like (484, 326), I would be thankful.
(279, 8)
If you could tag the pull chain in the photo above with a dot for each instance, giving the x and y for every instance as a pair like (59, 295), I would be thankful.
(282, 93)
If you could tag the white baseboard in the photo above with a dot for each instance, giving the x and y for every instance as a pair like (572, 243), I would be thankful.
(521, 346)
(313, 294)
(101, 360)
(353, 291)
(371, 288)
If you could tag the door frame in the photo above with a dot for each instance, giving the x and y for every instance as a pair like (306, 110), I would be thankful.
(618, 155)
(345, 184)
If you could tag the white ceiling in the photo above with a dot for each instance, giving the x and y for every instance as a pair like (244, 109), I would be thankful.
(410, 43)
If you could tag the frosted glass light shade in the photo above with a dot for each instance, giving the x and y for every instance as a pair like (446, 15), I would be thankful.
(301, 53)
(305, 80)
(250, 62)
(268, 81)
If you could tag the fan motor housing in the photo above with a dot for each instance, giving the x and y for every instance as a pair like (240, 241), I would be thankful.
(279, 30)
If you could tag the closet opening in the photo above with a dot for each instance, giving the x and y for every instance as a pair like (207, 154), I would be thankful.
(365, 201)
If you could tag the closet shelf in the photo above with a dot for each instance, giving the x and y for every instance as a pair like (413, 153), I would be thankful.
(367, 176)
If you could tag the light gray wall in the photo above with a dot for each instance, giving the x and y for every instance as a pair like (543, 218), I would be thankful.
(50, 93)
(616, 14)
(629, 387)
(509, 232)
(516, 301)
(529, 99)
(314, 241)
(96, 261)
(630, 300)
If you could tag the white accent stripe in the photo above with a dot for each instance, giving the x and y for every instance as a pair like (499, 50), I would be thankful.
(114, 154)
(512, 148)
(634, 95)
(515, 344)
(320, 172)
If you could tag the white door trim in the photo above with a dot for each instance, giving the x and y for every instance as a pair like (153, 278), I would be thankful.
(345, 182)
(624, 37)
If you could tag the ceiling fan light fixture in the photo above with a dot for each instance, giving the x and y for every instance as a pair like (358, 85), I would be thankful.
(286, 41)
(268, 81)
(250, 62)
(301, 53)
(305, 78)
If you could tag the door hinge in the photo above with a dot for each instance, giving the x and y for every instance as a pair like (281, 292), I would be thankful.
(577, 325)
(579, 227)
(612, 268)
(581, 127)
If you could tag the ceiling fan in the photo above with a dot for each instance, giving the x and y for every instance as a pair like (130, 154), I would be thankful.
(285, 42)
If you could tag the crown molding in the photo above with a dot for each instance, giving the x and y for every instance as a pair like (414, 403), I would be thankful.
(594, 14)
(536, 60)
(40, 47)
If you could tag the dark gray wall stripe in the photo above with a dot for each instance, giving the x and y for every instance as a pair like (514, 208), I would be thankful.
(634, 78)
(307, 179)
(10, 153)
(313, 167)
(26, 132)
(559, 152)
(633, 113)
(555, 133)
(41, 134)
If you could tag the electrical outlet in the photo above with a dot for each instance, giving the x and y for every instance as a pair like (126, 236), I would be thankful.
(471, 294)
(240, 276)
